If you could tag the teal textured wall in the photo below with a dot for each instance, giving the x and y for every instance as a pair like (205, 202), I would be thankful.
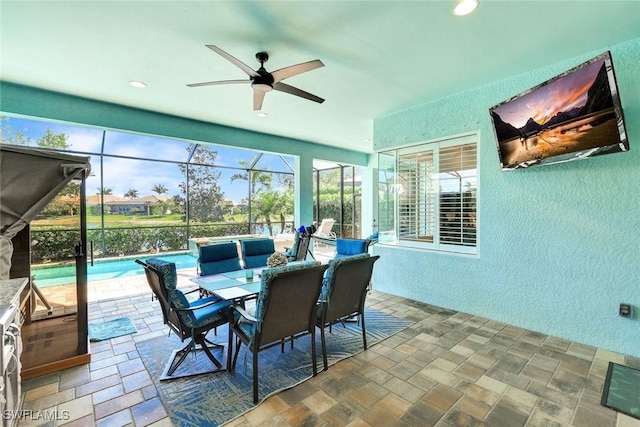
(559, 245)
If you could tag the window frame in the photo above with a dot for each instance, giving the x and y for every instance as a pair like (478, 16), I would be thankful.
(429, 213)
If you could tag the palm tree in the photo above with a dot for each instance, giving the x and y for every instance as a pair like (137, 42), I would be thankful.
(131, 194)
(264, 207)
(160, 189)
(264, 201)
(286, 206)
(259, 179)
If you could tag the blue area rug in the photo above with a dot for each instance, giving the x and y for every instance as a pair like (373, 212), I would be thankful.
(213, 399)
(111, 329)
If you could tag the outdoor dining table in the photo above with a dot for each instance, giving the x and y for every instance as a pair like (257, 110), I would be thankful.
(233, 285)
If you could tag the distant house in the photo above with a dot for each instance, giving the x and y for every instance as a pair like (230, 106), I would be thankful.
(124, 206)
(97, 199)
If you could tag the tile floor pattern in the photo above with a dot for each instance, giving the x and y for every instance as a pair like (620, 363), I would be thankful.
(447, 369)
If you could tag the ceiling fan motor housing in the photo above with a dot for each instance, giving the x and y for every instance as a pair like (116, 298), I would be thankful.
(264, 81)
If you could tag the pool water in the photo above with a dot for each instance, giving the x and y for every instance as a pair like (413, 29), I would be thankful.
(103, 270)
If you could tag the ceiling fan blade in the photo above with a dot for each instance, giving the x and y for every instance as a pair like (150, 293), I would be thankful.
(286, 72)
(244, 67)
(220, 82)
(282, 87)
(258, 97)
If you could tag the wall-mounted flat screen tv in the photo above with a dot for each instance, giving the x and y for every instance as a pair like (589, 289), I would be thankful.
(575, 115)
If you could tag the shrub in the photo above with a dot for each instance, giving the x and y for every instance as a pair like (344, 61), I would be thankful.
(58, 243)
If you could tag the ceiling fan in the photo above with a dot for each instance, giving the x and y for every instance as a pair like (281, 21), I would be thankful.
(263, 81)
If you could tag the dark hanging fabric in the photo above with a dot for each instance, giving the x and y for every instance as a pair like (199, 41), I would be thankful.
(29, 179)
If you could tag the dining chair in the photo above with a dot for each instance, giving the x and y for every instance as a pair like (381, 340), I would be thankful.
(286, 308)
(300, 248)
(343, 295)
(189, 320)
(293, 250)
(256, 251)
(218, 258)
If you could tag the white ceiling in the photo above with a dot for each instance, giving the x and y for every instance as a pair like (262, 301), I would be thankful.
(380, 57)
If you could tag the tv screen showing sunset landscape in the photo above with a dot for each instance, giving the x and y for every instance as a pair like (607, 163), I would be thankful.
(572, 116)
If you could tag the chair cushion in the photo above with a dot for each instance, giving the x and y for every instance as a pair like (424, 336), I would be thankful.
(217, 267)
(256, 251)
(177, 299)
(218, 252)
(247, 326)
(167, 270)
(205, 316)
(347, 247)
(213, 313)
(258, 247)
(218, 258)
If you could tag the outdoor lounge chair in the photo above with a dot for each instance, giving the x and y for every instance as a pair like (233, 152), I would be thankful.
(286, 309)
(344, 293)
(189, 320)
(324, 229)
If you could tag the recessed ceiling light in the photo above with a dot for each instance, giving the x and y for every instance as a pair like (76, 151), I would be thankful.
(464, 7)
(366, 140)
(138, 84)
(261, 114)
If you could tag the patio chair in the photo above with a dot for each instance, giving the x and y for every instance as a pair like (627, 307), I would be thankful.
(256, 251)
(298, 251)
(293, 250)
(189, 320)
(343, 294)
(324, 229)
(218, 258)
(349, 247)
(286, 309)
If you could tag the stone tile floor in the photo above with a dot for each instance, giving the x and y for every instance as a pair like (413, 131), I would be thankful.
(447, 369)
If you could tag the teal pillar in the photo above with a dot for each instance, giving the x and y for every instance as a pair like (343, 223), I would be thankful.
(303, 199)
(370, 196)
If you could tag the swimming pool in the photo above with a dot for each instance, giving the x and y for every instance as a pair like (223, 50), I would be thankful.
(53, 275)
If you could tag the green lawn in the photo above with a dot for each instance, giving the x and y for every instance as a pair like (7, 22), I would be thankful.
(111, 220)
(140, 220)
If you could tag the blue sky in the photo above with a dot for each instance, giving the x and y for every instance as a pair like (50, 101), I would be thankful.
(121, 175)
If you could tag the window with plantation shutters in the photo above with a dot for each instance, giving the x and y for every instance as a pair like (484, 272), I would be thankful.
(418, 196)
(433, 189)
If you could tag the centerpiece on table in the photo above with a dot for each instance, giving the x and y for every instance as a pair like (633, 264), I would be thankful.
(277, 259)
